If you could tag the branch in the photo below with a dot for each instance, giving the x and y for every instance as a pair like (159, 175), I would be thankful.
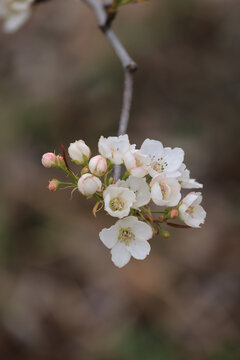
(127, 62)
(178, 225)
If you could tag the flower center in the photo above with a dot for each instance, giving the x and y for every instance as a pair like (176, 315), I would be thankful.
(126, 235)
(164, 191)
(116, 204)
(159, 165)
(190, 210)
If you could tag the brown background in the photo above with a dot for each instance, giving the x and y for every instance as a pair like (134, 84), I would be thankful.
(61, 297)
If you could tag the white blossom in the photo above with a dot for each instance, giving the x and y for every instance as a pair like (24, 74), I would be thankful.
(137, 163)
(165, 191)
(49, 160)
(185, 181)
(128, 237)
(140, 189)
(118, 200)
(14, 13)
(114, 148)
(79, 152)
(88, 184)
(98, 165)
(190, 210)
(163, 160)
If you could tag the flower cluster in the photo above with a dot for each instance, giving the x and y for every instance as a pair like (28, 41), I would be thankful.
(14, 13)
(154, 174)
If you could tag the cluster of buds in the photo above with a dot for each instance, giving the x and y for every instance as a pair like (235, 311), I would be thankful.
(153, 175)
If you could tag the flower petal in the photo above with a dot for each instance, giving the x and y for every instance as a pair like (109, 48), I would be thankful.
(139, 249)
(174, 158)
(120, 254)
(141, 189)
(142, 231)
(129, 160)
(128, 222)
(109, 237)
(138, 171)
(153, 148)
(156, 194)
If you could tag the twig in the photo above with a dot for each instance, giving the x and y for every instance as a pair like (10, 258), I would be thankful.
(127, 62)
(178, 225)
(65, 158)
(127, 101)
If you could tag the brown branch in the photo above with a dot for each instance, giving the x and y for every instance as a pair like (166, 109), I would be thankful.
(127, 62)
(65, 159)
(178, 225)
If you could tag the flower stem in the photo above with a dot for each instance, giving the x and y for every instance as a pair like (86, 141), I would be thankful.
(125, 175)
(67, 183)
(107, 175)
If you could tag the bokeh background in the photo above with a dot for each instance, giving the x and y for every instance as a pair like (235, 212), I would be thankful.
(60, 295)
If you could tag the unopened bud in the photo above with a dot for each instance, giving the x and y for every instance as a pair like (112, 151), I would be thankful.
(85, 170)
(88, 184)
(98, 165)
(49, 160)
(173, 213)
(165, 234)
(60, 161)
(53, 185)
(79, 152)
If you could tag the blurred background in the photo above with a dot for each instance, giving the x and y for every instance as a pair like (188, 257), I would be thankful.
(61, 296)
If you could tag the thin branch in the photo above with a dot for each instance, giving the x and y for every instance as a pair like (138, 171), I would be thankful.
(99, 10)
(178, 225)
(127, 62)
(127, 102)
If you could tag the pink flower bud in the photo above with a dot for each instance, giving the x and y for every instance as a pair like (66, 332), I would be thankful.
(98, 165)
(85, 170)
(173, 213)
(60, 161)
(88, 184)
(53, 185)
(79, 152)
(49, 160)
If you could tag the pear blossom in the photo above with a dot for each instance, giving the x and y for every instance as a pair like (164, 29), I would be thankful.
(49, 160)
(128, 237)
(14, 13)
(137, 163)
(173, 213)
(53, 185)
(190, 210)
(98, 165)
(163, 160)
(165, 190)
(60, 161)
(114, 148)
(79, 152)
(153, 174)
(140, 189)
(118, 200)
(185, 181)
(88, 184)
